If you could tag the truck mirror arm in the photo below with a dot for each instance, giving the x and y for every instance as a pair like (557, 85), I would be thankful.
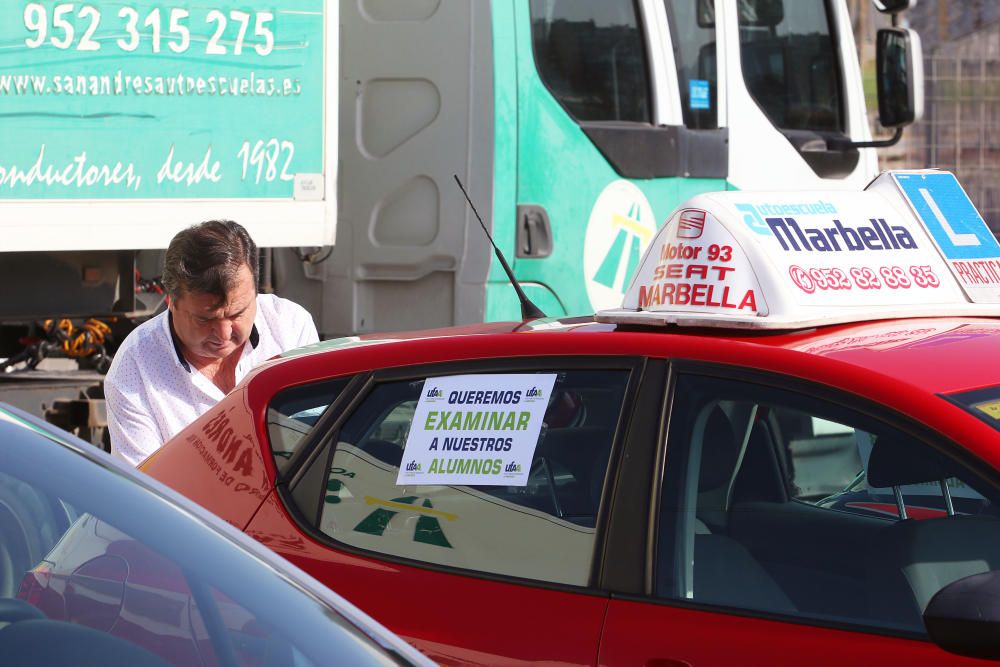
(881, 143)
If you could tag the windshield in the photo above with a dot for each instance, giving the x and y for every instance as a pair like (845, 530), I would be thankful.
(790, 63)
(90, 558)
(982, 403)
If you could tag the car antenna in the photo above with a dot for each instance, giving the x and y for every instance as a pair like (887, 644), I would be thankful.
(529, 311)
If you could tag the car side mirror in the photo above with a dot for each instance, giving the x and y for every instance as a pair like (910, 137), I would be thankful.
(964, 616)
(899, 77)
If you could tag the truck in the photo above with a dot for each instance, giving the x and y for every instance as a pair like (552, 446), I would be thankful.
(334, 132)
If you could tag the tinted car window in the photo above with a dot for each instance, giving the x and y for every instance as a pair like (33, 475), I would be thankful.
(983, 403)
(292, 414)
(748, 521)
(490, 528)
(102, 564)
(591, 54)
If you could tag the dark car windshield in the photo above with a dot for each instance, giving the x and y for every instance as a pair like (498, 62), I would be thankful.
(982, 403)
(85, 548)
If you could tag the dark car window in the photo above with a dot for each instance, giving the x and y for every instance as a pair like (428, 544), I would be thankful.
(91, 561)
(591, 54)
(982, 403)
(754, 515)
(543, 529)
(292, 414)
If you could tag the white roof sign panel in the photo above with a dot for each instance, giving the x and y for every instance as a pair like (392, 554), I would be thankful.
(794, 259)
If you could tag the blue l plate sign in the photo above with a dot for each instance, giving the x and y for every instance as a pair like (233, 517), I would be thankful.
(949, 215)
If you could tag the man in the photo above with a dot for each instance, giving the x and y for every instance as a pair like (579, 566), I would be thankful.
(175, 366)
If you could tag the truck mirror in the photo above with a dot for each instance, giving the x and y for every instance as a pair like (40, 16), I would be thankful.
(893, 6)
(964, 616)
(899, 77)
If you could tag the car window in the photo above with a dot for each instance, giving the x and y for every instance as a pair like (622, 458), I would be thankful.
(92, 561)
(983, 403)
(783, 503)
(591, 54)
(494, 527)
(292, 414)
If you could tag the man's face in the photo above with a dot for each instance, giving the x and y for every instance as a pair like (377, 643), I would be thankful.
(209, 330)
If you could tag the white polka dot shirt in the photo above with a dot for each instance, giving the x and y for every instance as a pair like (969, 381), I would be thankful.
(152, 393)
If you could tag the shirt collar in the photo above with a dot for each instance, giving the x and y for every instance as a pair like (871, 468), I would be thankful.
(254, 341)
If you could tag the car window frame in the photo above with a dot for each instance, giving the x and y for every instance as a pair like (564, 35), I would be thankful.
(813, 390)
(321, 444)
(307, 448)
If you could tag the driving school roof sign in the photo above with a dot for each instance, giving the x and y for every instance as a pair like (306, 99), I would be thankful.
(957, 229)
(784, 259)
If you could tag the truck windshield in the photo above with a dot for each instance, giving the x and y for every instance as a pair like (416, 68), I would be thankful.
(790, 63)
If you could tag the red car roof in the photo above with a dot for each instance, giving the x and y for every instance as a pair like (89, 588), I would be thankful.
(937, 355)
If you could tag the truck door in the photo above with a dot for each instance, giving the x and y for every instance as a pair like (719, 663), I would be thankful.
(616, 123)
(625, 109)
(794, 96)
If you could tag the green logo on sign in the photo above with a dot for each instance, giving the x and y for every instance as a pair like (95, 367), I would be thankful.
(428, 529)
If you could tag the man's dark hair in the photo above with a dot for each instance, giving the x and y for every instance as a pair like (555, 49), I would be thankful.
(206, 258)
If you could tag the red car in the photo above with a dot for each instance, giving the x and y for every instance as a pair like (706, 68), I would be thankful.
(648, 486)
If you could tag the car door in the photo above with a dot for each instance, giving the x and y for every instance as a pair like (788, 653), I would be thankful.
(470, 568)
(750, 566)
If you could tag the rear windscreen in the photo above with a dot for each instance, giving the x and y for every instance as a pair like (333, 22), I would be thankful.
(983, 403)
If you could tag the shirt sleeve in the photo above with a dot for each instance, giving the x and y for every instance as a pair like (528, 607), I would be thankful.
(304, 328)
(308, 334)
(133, 431)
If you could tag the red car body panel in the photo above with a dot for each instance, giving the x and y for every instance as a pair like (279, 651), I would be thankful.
(637, 633)
(229, 472)
(431, 608)
(223, 462)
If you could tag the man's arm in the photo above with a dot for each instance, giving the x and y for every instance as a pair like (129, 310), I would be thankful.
(134, 433)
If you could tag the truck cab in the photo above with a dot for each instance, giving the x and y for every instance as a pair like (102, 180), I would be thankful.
(578, 126)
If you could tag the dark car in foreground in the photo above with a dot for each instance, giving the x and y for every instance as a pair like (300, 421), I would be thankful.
(100, 565)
